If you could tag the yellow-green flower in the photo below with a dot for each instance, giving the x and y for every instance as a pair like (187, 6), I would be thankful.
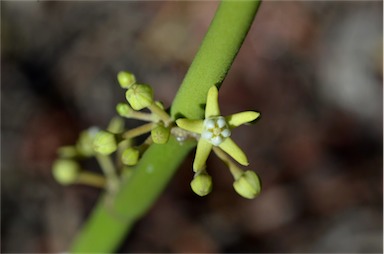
(215, 130)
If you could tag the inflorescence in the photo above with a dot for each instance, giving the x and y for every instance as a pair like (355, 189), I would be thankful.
(212, 134)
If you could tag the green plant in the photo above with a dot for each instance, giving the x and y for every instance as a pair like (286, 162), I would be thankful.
(132, 187)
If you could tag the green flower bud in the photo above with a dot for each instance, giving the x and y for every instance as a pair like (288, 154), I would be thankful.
(116, 125)
(160, 134)
(139, 96)
(84, 144)
(248, 185)
(65, 171)
(126, 79)
(104, 143)
(130, 156)
(202, 183)
(124, 110)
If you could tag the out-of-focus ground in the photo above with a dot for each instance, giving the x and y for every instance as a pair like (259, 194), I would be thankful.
(313, 69)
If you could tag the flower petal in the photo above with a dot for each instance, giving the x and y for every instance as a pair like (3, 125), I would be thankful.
(234, 151)
(202, 152)
(241, 118)
(190, 125)
(212, 107)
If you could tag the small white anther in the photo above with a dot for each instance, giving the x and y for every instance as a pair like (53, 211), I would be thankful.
(209, 123)
(207, 134)
(216, 140)
(226, 133)
(221, 122)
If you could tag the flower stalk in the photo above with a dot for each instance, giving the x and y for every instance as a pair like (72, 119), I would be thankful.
(142, 129)
(109, 170)
(91, 179)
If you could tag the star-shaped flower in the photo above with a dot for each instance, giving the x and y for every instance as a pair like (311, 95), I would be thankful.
(215, 130)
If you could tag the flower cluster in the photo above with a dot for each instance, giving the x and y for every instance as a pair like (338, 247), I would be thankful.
(115, 150)
(115, 142)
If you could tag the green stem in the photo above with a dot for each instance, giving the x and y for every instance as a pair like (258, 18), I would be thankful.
(106, 227)
(110, 172)
(91, 179)
(233, 168)
(141, 116)
(160, 113)
(104, 231)
(215, 56)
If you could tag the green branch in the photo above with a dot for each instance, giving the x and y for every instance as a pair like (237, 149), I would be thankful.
(111, 221)
(215, 56)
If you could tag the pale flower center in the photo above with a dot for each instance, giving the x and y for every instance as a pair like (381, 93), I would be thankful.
(215, 130)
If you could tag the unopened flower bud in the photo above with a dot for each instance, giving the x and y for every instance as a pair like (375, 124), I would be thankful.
(104, 143)
(160, 134)
(139, 96)
(84, 144)
(202, 183)
(248, 185)
(130, 156)
(124, 110)
(126, 79)
(65, 171)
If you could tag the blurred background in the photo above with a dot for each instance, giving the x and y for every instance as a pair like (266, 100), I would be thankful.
(313, 69)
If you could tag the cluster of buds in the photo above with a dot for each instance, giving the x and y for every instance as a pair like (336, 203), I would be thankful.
(140, 96)
(115, 142)
(116, 153)
(67, 168)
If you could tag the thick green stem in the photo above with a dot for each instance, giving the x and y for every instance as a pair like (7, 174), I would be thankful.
(107, 227)
(215, 56)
